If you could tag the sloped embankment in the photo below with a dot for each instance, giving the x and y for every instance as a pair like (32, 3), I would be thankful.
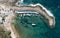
(3, 33)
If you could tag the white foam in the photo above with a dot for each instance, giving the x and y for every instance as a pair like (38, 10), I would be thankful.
(21, 1)
(47, 11)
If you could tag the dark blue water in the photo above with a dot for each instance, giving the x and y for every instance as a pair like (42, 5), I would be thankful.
(42, 30)
(54, 7)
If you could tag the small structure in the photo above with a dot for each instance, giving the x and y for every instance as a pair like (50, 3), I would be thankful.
(33, 25)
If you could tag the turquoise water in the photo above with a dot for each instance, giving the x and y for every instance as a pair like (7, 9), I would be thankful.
(54, 7)
(41, 29)
(25, 28)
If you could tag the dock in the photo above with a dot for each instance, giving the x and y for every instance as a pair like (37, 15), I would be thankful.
(9, 11)
(39, 9)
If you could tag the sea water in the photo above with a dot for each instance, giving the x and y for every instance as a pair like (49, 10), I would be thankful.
(54, 7)
(41, 29)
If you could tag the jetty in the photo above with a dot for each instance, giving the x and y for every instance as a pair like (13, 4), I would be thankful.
(8, 12)
(39, 9)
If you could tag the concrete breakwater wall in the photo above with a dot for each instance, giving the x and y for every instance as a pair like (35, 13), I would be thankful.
(8, 13)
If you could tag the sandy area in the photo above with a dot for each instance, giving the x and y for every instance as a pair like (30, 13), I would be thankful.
(8, 26)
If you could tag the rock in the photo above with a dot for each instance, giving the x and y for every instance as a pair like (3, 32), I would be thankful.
(8, 2)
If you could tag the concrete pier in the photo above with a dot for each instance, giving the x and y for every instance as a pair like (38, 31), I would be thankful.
(39, 9)
(36, 7)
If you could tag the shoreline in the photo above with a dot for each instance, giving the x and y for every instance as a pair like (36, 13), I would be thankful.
(37, 7)
(41, 10)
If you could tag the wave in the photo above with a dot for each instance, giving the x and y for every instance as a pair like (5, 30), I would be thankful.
(38, 4)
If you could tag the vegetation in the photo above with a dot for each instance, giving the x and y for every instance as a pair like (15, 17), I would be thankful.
(4, 34)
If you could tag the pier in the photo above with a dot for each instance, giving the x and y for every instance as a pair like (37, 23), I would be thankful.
(39, 9)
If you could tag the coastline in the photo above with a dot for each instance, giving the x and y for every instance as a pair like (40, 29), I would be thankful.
(37, 7)
(41, 10)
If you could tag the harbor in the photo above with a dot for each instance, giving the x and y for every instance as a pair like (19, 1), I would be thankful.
(32, 14)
